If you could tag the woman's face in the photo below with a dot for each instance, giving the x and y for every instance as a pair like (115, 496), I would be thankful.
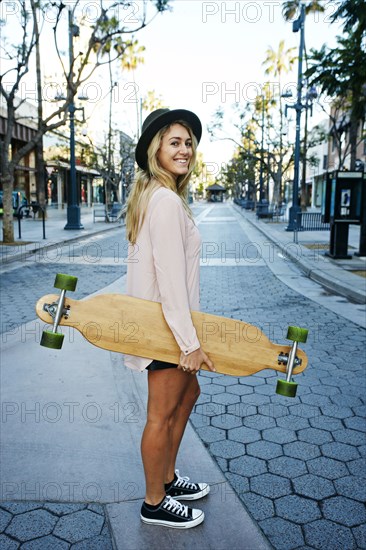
(175, 150)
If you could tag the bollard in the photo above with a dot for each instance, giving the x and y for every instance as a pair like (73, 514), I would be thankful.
(296, 229)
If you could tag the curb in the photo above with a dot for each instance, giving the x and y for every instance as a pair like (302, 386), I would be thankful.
(330, 282)
(37, 246)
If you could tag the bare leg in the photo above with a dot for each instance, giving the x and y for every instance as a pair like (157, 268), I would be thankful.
(166, 391)
(179, 422)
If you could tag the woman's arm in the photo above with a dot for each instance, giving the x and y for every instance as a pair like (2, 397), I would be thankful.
(167, 233)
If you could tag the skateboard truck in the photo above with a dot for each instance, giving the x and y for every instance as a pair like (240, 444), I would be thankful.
(287, 387)
(283, 359)
(52, 338)
(56, 309)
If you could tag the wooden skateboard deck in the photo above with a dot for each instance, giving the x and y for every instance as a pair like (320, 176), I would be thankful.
(133, 326)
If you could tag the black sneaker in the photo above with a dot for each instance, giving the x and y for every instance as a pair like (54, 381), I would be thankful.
(183, 489)
(172, 513)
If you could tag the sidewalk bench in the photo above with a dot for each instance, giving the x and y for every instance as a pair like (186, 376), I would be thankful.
(278, 212)
(270, 213)
(117, 212)
(245, 203)
(263, 211)
(265, 214)
(99, 212)
(248, 204)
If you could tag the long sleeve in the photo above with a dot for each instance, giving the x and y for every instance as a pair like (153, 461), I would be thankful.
(168, 233)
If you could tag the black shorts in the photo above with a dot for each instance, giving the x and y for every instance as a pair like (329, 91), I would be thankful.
(160, 365)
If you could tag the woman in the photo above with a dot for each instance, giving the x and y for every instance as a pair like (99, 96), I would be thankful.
(163, 266)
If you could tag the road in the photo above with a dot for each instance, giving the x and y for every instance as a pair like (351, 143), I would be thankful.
(298, 465)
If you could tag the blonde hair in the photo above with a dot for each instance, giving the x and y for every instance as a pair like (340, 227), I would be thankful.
(147, 181)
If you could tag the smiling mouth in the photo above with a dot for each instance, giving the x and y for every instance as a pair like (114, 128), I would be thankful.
(181, 161)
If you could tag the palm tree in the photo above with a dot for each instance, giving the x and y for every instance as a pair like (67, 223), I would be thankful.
(290, 8)
(278, 63)
(132, 57)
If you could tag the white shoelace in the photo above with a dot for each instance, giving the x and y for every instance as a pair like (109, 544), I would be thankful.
(175, 507)
(184, 482)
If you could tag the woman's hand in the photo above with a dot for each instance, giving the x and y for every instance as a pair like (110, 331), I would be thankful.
(192, 362)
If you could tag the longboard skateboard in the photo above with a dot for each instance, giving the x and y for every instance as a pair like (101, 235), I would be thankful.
(133, 326)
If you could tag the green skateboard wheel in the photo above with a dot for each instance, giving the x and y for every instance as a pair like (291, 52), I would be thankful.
(287, 389)
(297, 334)
(52, 340)
(65, 282)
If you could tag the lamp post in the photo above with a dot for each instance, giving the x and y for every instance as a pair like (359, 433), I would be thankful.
(283, 132)
(311, 94)
(73, 208)
(297, 25)
(262, 156)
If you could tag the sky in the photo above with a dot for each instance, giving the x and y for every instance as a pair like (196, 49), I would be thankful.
(202, 55)
(198, 56)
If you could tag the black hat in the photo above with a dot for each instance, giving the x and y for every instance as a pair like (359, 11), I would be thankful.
(157, 120)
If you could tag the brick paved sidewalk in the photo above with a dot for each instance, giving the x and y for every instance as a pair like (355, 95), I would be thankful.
(53, 526)
(298, 465)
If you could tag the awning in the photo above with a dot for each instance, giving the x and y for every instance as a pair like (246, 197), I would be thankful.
(66, 165)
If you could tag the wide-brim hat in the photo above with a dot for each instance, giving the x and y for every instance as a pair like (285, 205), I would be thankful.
(157, 120)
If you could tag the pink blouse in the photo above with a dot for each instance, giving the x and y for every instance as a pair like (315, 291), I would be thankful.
(163, 266)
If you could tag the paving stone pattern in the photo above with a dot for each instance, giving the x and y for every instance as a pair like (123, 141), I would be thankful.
(53, 526)
(298, 465)
(35, 277)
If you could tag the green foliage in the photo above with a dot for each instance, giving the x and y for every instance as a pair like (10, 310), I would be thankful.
(291, 8)
(132, 55)
(151, 102)
(280, 61)
(103, 39)
(354, 14)
(341, 72)
(163, 5)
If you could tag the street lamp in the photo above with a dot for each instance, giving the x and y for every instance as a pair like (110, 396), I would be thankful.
(311, 94)
(297, 26)
(73, 208)
(283, 132)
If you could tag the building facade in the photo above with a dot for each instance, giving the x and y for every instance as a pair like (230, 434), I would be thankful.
(90, 163)
(24, 131)
(334, 153)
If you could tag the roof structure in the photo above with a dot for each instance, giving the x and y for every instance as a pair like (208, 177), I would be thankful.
(215, 187)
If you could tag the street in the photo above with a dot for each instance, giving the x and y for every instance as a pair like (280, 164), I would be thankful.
(298, 465)
(294, 462)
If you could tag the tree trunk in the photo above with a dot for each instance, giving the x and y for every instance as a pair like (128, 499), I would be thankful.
(353, 135)
(40, 175)
(108, 184)
(8, 219)
(304, 195)
(40, 165)
(7, 176)
(277, 176)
